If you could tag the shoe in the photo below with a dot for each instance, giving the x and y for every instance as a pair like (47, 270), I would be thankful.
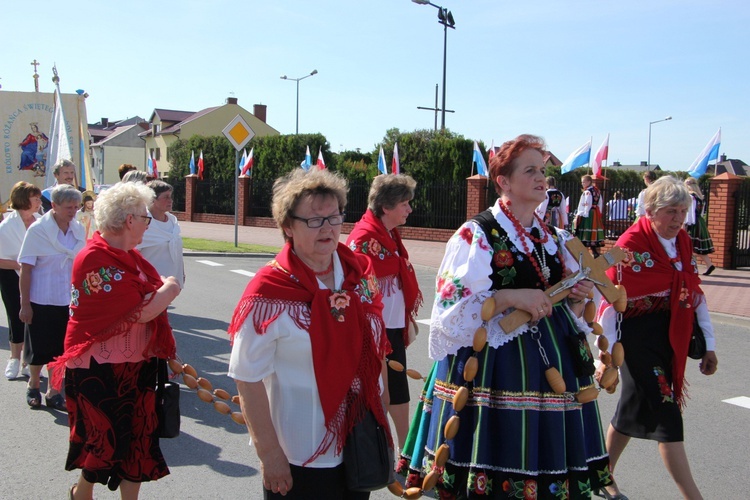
(33, 397)
(25, 371)
(709, 271)
(56, 402)
(11, 369)
(606, 494)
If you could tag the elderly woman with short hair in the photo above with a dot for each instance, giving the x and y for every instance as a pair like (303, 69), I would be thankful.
(25, 199)
(308, 344)
(162, 243)
(375, 239)
(46, 257)
(664, 299)
(118, 327)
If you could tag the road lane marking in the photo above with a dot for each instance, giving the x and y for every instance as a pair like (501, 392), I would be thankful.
(210, 263)
(249, 274)
(742, 401)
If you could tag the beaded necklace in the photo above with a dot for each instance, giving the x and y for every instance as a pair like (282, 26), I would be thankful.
(542, 270)
(328, 270)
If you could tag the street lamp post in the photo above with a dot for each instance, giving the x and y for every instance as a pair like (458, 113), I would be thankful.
(648, 162)
(445, 17)
(297, 80)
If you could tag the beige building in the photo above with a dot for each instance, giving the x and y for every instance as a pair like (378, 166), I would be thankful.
(115, 143)
(166, 126)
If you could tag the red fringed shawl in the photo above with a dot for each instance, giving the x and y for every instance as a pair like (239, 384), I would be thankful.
(345, 349)
(651, 275)
(107, 298)
(371, 243)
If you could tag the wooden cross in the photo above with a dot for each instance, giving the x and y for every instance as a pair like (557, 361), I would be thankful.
(590, 268)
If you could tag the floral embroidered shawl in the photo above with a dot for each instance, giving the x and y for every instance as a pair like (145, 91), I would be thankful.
(340, 324)
(371, 242)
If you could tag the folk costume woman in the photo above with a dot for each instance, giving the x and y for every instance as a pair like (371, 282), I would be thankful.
(118, 327)
(554, 209)
(589, 225)
(517, 437)
(376, 241)
(696, 225)
(308, 344)
(26, 199)
(664, 300)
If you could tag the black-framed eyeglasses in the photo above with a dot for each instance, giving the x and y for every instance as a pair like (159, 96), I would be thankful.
(316, 222)
(148, 219)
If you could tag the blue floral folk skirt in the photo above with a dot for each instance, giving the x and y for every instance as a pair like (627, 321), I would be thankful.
(517, 438)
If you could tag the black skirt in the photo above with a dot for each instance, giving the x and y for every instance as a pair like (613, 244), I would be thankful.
(12, 301)
(44, 338)
(647, 408)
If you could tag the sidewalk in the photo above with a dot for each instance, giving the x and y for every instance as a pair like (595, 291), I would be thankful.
(726, 290)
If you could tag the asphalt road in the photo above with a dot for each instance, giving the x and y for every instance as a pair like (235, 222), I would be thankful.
(211, 458)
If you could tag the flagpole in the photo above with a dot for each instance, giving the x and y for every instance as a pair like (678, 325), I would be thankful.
(236, 193)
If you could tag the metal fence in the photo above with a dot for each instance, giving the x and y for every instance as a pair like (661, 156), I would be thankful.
(215, 198)
(261, 194)
(741, 246)
(178, 193)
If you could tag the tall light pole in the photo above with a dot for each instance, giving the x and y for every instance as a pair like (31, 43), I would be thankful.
(445, 17)
(648, 163)
(297, 80)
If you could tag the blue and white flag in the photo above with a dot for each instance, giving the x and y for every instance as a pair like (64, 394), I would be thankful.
(709, 153)
(192, 163)
(578, 158)
(479, 160)
(243, 160)
(308, 160)
(381, 162)
(150, 165)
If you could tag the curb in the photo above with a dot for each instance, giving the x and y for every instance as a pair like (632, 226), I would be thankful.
(191, 253)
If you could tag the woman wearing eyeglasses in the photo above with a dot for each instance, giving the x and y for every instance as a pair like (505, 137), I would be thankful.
(162, 242)
(118, 327)
(308, 344)
(376, 240)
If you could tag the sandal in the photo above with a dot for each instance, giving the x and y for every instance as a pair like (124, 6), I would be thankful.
(33, 397)
(56, 402)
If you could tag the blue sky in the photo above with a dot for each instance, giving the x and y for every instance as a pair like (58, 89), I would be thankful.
(566, 70)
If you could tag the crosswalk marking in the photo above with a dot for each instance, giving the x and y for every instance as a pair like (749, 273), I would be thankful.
(243, 272)
(742, 401)
(210, 263)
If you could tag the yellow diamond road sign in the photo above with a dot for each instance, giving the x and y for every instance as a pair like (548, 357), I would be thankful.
(238, 132)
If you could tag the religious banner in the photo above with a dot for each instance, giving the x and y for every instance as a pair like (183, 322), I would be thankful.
(25, 118)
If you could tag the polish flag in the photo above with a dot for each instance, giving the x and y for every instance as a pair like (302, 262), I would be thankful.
(600, 157)
(200, 166)
(248, 166)
(491, 152)
(321, 162)
(396, 165)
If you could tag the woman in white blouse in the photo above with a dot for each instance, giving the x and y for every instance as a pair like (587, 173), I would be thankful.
(309, 341)
(26, 199)
(162, 243)
(664, 301)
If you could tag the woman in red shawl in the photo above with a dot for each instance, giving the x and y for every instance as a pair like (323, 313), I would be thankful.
(308, 344)
(664, 298)
(118, 327)
(376, 241)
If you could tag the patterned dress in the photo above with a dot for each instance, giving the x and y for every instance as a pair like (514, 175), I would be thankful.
(697, 228)
(589, 226)
(554, 209)
(517, 438)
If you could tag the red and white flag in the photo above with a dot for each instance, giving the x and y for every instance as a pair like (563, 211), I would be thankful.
(600, 157)
(200, 166)
(491, 152)
(155, 172)
(321, 164)
(396, 164)
(248, 166)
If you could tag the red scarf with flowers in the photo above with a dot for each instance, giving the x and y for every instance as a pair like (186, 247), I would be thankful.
(658, 277)
(107, 298)
(340, 324)
(370, 241)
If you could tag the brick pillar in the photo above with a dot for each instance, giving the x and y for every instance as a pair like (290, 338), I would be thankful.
(721, 217)
(245, 194)
(191, 188)
(476, 195)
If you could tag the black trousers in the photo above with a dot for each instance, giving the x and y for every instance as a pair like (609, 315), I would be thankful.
(316, 484)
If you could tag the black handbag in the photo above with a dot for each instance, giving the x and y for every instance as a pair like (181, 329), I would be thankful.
(167, 403)
(368, 459)
(697, 347)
